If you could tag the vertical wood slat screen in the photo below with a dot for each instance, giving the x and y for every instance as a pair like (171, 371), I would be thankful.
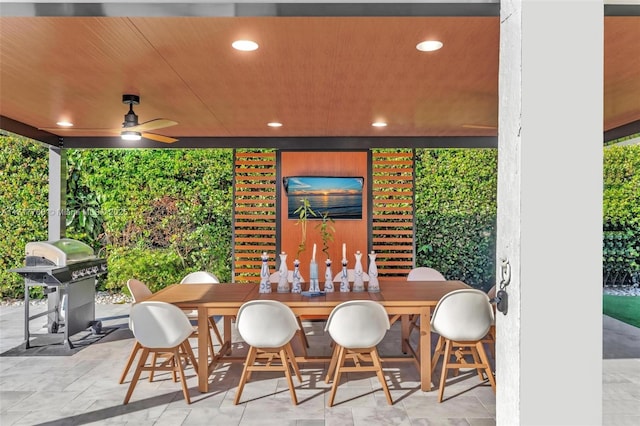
(254, 210)
(392, 224)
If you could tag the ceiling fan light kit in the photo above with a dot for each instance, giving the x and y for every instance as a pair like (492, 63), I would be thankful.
(128, 135)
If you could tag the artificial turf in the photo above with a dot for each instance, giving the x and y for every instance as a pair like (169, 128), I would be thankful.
(622, 308)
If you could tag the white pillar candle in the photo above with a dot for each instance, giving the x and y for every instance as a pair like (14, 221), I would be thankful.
(344, 250)
(313, 256)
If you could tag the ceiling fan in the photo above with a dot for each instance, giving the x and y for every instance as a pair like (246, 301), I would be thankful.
(133, 131)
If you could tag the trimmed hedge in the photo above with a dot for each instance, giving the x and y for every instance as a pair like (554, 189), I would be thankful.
(456, 213)
(168, 207)
(621, 236)
(155, 267)
(24, 197)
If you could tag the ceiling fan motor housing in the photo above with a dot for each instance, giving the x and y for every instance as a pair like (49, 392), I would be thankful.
(131, 99)
(130, 119)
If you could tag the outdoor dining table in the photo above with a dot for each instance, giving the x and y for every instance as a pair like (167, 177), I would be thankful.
(400, 298)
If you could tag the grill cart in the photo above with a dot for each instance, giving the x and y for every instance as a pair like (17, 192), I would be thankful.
(68, 271)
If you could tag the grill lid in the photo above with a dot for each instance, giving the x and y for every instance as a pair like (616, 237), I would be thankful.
(62, 252)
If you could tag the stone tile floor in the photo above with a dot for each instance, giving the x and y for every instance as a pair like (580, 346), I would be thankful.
(620, 373)
(83, 388)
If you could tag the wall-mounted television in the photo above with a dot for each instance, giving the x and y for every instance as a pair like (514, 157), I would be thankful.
(339, 196)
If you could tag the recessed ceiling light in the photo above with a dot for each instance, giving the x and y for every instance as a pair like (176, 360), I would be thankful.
(64, 123)
(274, 124)
(245, 45)
(379, 124)
(429, 45)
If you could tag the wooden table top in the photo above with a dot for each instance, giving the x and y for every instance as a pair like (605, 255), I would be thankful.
(229, 295)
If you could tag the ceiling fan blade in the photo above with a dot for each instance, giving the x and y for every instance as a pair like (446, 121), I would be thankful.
(56, 130)
(158, 123)
(479, 126)
(159, 138)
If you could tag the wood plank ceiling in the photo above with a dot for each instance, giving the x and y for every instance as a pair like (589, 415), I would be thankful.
(319, 76)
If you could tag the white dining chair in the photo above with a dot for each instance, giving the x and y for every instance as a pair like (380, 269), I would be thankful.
(139, 291)
(422, 273)
(462, 318)
(163, 329)
(274, 279)
(268, 326)
(200, 277)
(203, 277)
(490, 338)
(351, 276)
(356, 327)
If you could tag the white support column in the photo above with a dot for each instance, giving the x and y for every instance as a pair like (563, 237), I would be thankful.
(549, 352)
(57, 193)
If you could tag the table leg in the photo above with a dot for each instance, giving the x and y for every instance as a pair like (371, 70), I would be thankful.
(405, 330)
(425, 349)
(203, 350)
(227, 333)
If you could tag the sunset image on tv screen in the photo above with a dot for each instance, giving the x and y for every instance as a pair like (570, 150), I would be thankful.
(339, 197)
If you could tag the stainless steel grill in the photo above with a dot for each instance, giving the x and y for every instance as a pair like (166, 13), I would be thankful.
(68, 271)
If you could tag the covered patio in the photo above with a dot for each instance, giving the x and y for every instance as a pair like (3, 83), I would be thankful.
(509, 54)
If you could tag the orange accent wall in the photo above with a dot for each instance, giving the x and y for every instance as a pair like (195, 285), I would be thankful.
(351, 232)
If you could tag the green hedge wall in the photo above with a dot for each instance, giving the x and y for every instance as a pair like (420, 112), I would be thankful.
(164, 213)
(155, 214)
(158, 214)
(621, 206)
(456, 213)
(24, 197)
